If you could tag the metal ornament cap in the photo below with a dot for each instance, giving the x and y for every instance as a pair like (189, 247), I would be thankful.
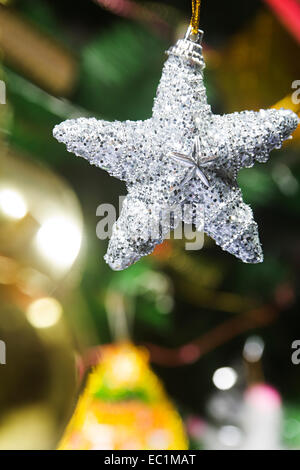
(189, 48)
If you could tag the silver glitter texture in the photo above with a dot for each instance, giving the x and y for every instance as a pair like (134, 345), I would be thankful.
(210, 151)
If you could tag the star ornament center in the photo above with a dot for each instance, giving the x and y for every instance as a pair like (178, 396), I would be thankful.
(195, 163)
(161, 175)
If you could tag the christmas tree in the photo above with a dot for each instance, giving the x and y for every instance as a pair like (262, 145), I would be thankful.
(214, 339)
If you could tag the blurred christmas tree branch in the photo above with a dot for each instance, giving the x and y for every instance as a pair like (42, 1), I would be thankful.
(221, 334)
(196, 349)
(146, 15)
(36, 55)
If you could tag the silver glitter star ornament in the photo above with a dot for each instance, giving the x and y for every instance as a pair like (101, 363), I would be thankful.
(184, 155)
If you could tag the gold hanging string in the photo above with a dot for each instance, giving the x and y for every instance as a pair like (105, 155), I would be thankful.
(195, 21)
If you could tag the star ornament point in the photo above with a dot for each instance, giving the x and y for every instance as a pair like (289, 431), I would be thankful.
(183, 155)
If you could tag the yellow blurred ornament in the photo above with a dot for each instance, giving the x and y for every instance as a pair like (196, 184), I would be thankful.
(124, 406)
(262, 56)
(290, 102)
